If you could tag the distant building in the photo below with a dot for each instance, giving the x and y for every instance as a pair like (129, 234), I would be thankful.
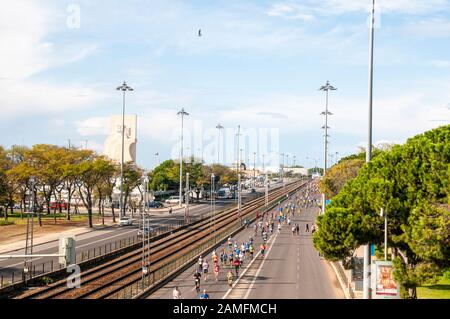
(296, 170)
(113, 144)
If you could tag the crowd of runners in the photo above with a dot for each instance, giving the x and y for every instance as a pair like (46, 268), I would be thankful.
(234, 255)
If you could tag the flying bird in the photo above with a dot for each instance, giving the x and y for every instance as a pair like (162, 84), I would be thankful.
(200, 32)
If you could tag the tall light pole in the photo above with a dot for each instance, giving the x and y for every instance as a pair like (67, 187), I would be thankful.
(367, 261)
(240, 186)
(145, 232)
(327, 88)
(182, 113)
(124, 87)
(218, 127)
(157, 158)
(254, 169)
(266, 184)
(213, 204)
(186, 208)
(30, 229)
(238, 167)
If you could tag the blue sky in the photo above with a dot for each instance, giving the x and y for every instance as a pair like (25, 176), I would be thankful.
(258, 64)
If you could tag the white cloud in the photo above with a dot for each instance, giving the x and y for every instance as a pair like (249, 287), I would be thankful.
(93, 126)
(312, 8)
(430, 28)
(24, 97)
(26, 51)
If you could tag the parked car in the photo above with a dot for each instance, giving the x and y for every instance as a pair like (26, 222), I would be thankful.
(173, 200)
(57, 205)
(125, 221)
(155, 204)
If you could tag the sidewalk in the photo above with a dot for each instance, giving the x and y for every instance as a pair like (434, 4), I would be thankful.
(42, 239)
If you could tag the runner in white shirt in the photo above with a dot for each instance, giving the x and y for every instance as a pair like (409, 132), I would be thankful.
(176, 293)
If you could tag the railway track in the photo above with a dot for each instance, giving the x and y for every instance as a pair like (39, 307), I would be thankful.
(105, 280)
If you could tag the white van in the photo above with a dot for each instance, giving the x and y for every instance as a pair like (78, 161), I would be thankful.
(173, 200)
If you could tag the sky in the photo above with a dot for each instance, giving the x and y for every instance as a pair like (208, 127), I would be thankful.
(258, 64)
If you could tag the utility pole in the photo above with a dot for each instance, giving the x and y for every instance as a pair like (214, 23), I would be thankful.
(157, 159)
(182, 113)
(27, 267)
(266, 184)
(218, 127)
(145, 233)
(367, 262)
(239, 173)
(213, 204)
(327, 87)
(124, 88)
(383, 214)
(186, 208)
(238, 168)
(240, 186)
(254, 169)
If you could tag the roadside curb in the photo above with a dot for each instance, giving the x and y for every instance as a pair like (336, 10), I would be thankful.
(346, 294)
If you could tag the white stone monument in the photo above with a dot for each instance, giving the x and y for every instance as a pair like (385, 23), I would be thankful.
(113, 143)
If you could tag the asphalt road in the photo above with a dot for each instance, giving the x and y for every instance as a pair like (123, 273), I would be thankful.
(292, 269)
(101, 237)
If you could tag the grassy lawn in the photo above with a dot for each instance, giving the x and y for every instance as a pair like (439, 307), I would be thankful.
(441, 290)
(17, 220)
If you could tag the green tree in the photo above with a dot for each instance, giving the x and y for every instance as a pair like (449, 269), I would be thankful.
(90, 173)
(132, 179)
(411, 183)
(338, 175)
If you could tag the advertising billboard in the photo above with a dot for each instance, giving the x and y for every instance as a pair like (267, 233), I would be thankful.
(383, 284)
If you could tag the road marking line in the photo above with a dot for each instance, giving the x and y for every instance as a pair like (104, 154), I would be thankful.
(259, 269)
(244, 272)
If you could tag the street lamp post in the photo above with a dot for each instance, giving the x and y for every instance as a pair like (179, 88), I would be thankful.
(239, 185)
(186, 208)
(327, 87)
(182, 113)
(383, 214)
(124, 87)
(145, 232)
(218, 127)
(213, 204)
(30, 229)
(254, 169)
(367, 261)
(157, 158)
(266, 184)
(238, 168)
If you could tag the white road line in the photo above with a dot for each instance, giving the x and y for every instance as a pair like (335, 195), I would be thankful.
(259, 269)
(244, 272)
